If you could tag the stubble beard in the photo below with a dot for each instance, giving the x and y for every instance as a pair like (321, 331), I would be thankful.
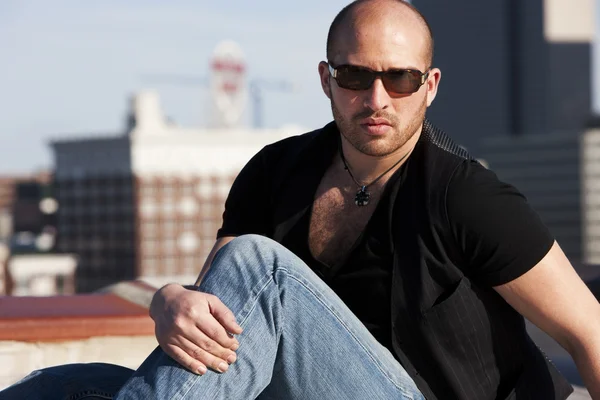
(378, 146)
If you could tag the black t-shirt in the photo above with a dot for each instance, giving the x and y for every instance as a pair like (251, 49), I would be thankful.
(499, 237)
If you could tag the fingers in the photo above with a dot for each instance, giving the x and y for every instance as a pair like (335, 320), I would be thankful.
(185, 359)
(195, 330)
(206, 358)
(223, 315)
(216, 334)
(197, 339)
(196, 359)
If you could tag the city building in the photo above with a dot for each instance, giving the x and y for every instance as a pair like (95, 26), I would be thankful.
(516, 91)
(146, 203)
(41, 274)
(511, 67)
(26, 220)
(12, 194)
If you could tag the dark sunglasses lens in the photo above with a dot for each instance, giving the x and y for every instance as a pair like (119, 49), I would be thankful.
(354, 78)
(402, 81)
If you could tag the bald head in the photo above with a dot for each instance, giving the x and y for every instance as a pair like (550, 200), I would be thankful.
(360, 13)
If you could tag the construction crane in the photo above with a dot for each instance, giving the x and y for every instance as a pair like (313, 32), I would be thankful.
(257, 88)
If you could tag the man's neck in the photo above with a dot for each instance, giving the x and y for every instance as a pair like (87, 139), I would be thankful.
(367, 168)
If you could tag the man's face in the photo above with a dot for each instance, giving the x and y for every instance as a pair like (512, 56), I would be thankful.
(375, 121)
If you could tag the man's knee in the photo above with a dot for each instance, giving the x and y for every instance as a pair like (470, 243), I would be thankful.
(250, 247)
(251, 253)
(252, 242)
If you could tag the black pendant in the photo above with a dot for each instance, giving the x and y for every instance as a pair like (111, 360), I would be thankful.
(362, 197)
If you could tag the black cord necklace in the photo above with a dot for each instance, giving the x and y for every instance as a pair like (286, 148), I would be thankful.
(362, 195)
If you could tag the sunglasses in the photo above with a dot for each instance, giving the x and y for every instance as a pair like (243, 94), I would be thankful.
(398, 81)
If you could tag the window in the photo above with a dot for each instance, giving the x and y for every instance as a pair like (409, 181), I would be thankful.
(188, 189)
(148, 190)
(149, 247)
(189, 225)
(168, 207)
(169, 245)
(191, 265)
(150, 266)
(148, 208)
(205, 189)
(168, 266)
(209, 230)
(188, 206)
(223, 187)
(167, 228)
(206, 209)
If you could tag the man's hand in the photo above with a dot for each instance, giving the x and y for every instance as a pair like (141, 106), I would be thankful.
(194, 328)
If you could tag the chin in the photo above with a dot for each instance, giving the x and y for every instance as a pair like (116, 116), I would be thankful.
(377, 147)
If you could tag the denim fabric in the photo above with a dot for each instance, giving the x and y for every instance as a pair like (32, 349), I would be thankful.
(299, 341)
(70, 382)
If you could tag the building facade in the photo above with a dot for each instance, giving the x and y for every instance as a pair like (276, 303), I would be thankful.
(147, 203)
(511, 67)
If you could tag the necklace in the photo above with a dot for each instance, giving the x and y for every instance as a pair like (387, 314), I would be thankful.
(363, 196)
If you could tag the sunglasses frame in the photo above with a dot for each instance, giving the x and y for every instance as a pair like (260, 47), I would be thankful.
(333, 71)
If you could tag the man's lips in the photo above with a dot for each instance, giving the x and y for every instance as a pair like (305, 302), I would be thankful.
(376, 126)
(376, 129)
(375, 121)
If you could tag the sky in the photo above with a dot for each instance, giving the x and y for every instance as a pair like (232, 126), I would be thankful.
(69, 67)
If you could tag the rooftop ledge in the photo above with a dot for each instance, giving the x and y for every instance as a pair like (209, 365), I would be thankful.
(113, 326)
(118, 310)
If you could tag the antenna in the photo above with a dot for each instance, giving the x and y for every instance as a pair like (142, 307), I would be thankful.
(257, 86)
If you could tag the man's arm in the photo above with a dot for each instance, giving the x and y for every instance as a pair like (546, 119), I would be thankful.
(553, 297)
(222, 241)
(193, 327)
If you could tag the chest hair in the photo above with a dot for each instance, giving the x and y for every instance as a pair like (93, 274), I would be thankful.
(336, 222)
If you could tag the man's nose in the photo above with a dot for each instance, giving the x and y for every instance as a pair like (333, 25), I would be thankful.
(377, 97)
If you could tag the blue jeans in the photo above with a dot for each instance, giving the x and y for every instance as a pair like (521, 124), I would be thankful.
(299, 342)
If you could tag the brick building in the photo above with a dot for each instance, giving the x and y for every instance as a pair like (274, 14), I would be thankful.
(147, 203)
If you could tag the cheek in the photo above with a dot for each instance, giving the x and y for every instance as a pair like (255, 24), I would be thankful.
(347, 103)
(409, 106)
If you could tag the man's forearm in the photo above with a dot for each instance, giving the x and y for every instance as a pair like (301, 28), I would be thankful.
(218, 244)
(206, 265)
(587, 359)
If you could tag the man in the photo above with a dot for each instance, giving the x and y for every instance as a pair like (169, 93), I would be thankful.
(425, 263)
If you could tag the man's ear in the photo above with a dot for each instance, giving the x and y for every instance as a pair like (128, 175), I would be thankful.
(325, 77)
(433, 82)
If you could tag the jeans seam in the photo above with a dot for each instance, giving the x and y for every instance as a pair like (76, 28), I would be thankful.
(252, 303)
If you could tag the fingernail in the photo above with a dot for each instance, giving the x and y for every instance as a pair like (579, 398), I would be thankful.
(235, 346)
(231, 359)
(223, 367)
(201, 370)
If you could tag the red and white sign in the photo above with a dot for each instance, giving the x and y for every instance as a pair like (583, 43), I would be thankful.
(228, 84)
